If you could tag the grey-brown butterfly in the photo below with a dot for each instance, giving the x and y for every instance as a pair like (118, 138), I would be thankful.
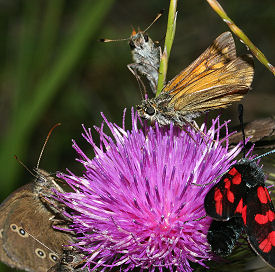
(145, 54)
(28, 240)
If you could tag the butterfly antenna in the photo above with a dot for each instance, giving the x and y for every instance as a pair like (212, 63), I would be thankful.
(44, 145)
(263, 155)
(25, 166)
(156, 18)
(116, 40)
(134, 31)
(240, 110)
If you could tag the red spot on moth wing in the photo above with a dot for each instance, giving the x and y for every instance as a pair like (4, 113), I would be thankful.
(267, 244)
(239, 208)
(271, 215)
(227, 183)
(263, 194)
(261, 218)
(244, 214)
(230, 196)
(218, 201)
(237, 179)
(233, 171)
(265, 218)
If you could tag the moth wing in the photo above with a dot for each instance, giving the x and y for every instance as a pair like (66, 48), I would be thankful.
(218, 89)
(260, 223)
(226, 198)
(214, 57)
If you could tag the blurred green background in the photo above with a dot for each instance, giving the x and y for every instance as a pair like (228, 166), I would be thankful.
(53, 69)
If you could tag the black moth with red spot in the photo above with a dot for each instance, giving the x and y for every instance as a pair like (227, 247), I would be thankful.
(241, 192)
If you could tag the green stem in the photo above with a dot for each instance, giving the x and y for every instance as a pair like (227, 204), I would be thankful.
(169, 38)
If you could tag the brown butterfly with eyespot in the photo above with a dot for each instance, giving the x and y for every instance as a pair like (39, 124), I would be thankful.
(28, 240)
(71, 261)
(216, 79)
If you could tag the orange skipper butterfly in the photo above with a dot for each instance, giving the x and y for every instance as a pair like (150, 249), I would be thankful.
(216, 79)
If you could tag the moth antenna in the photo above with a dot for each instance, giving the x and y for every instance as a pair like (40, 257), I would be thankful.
(25, 166)
(156, 18)
(263, 155)
(240, 110)
(197, 219)
(44, 145)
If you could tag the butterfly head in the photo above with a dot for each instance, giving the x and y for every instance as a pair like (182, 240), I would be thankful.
(45, 183)
(157, 109)
(139, 40)
(42, 176)
(143, 48)
(147, 110)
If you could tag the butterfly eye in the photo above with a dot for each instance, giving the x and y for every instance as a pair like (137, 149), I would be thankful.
(150, 111)
(146, 38)
(132, 45)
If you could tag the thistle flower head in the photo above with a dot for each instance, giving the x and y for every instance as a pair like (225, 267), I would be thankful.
(139, 201)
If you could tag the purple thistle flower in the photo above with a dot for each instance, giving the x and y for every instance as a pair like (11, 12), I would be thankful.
(138, 203)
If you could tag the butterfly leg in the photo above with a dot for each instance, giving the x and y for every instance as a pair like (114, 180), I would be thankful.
(134, 67)
(57, 210)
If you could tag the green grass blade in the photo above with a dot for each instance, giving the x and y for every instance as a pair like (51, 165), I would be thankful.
(237, 31)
